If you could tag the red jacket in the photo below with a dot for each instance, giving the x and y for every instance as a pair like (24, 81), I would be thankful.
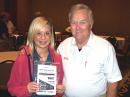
(19, 78)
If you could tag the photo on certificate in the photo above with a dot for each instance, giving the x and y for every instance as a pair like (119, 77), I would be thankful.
(47, 78)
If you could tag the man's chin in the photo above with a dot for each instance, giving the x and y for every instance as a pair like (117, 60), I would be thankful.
(79, 40)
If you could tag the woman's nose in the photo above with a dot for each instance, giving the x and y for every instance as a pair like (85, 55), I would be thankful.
(43, 36)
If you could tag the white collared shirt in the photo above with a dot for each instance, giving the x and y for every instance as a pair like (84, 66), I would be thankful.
(88, 71)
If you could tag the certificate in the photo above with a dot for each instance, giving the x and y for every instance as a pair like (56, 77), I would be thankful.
(46, 78)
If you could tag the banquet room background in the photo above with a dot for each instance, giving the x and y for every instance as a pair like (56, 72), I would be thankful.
(111, 16)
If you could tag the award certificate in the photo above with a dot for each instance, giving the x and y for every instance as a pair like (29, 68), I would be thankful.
(46, 78)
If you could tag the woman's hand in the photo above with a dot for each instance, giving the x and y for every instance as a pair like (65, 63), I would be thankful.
(60, 89)
(32, 87)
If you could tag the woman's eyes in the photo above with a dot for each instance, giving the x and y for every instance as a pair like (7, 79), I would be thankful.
(45, 33)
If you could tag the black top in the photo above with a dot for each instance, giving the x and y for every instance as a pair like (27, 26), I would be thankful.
(80, 49)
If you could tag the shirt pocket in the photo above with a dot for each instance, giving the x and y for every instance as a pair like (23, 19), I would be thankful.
(95, 66)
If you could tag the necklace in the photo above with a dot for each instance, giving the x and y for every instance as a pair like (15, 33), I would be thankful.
(42, 54)
(43, 58)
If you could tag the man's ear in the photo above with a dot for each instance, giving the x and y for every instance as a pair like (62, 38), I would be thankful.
(91, 26)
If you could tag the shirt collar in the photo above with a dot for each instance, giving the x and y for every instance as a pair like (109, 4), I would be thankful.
(36, 56)
(90, 40)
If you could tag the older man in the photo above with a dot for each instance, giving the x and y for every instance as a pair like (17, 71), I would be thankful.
(90, 64)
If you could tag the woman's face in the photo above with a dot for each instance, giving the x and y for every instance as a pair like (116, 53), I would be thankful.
(43, 38)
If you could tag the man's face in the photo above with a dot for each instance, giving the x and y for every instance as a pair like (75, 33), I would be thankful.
(80, 25)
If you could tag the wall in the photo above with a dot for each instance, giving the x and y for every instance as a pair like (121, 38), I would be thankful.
(23, 15)
(111, 16)
(2, 5)
(57, 10)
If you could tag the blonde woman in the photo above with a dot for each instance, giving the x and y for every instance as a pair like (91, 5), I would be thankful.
(40, 43)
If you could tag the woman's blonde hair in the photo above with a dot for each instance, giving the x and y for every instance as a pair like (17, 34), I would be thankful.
(37, 24)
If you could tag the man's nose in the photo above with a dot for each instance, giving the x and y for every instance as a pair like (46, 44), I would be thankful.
(77, 25)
